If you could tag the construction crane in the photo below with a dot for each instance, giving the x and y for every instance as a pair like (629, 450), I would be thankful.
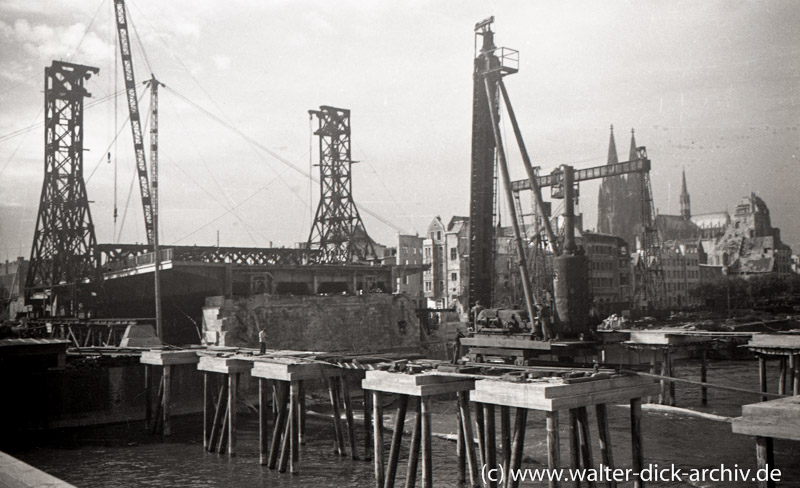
(149, 194)
(136, 124)
(572, 299)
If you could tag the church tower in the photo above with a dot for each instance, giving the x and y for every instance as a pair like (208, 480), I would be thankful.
(686, 208)
(608, 199)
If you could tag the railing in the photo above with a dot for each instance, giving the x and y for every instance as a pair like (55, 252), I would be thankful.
(129, 256)
(135, 261)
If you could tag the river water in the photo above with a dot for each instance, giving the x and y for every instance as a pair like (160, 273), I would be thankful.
(123, 455)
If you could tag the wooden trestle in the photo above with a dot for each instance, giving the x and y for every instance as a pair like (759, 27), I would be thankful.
(775, 418)
(422, 387)
(166, 358)
(551, 398)
(283, 375)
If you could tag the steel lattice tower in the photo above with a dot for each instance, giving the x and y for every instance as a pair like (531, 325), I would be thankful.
(650, 286)
(338, 230)
(64, 242)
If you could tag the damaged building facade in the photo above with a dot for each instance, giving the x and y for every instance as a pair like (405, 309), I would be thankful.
(744, 244)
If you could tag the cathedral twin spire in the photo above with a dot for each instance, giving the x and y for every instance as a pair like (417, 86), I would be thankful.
(619, 203)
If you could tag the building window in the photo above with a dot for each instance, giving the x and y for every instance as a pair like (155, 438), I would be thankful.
(405, 280)
(453, 276)
(438, 235)
(453, 253)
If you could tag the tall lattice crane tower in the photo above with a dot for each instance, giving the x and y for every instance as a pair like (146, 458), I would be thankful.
(338, 230)
(64, 243)
(650, 289)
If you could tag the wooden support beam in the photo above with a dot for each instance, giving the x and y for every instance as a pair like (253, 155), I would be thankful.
(469, 442)
(796, 382)
(224, 429)
(216, 424)
(461, 458)
(604, 436)
(505, 435)
(662, 395)
(283, 462)
(652, 369)
(276, 386)
(762, 375)
(585, 442)
(574, 443)
(672, 399)
(166, 401)
(704, 375)
(348, 414)
(367, 425)
(637, 449)
(782, 375)
(764, 458)
(233, 386)
(157, 418)
(427, 454)
(490, 437)
(377, 434)
(413, 450)
(279, 399)
(337, 425)
(206, 406)
(397, 439)
(148, 400)
(480, 427)
(263, 420)
(553, 445)
(294, 421)
(302, 412)
(520, 419)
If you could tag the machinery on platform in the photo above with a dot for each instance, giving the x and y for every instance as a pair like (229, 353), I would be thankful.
(556, 317)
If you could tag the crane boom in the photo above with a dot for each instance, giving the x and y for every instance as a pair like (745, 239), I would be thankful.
(136, 124)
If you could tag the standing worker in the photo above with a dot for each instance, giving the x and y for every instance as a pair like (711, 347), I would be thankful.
(262, 340)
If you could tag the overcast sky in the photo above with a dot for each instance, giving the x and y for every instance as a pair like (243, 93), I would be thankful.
(711, 87)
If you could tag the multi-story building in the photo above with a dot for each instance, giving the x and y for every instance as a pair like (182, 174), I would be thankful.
(610, 273)
(681, 266)
(457, 263)
(408, 265)
(433, 277)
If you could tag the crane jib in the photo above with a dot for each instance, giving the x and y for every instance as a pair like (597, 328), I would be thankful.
(136, 125)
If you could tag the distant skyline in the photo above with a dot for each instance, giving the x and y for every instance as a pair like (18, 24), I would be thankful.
(711, 87)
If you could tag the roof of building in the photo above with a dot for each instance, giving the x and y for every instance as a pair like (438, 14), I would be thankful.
(675, 227)
(711, 220)
(589, 236)
(456, 226)
(457, 220)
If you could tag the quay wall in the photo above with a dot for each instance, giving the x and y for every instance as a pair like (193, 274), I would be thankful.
(87, 393)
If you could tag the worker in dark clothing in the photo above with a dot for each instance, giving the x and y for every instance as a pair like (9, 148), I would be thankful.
(262, 340)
